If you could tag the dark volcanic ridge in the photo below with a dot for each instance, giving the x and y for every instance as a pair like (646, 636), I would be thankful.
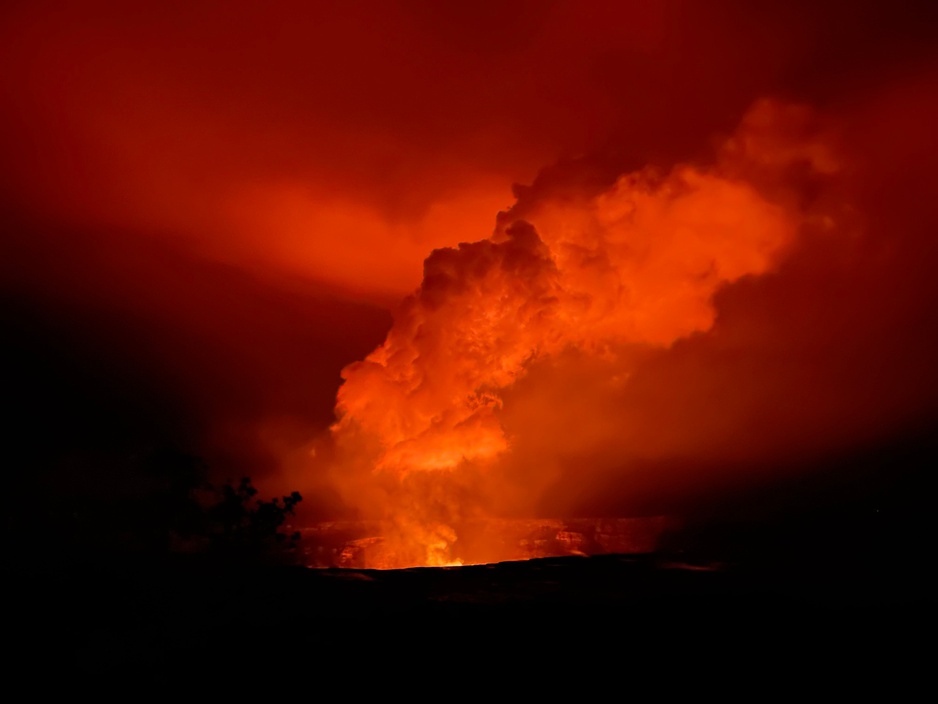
(164, 616)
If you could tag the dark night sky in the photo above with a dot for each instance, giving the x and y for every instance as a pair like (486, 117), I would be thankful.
(209, 209)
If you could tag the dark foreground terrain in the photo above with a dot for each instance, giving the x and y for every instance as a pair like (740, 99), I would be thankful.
(834, 576)
(568, 612)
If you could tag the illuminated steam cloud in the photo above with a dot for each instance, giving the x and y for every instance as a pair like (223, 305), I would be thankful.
(635, 265)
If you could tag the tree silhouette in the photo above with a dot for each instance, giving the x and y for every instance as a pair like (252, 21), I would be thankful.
(243, 527)
(151, 505)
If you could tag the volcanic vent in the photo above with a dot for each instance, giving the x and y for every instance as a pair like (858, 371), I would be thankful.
(516, 352)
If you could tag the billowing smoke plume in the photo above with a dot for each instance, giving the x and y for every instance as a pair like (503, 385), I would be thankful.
(604, 275)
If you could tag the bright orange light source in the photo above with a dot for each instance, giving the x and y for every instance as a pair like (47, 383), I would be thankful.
(636, 265)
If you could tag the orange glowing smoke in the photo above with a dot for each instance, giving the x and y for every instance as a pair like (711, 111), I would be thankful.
(420, 420)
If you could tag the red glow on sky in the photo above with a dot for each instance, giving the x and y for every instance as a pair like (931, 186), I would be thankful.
(430, 261)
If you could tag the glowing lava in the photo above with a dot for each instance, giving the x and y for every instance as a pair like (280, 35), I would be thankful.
(420, 432)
